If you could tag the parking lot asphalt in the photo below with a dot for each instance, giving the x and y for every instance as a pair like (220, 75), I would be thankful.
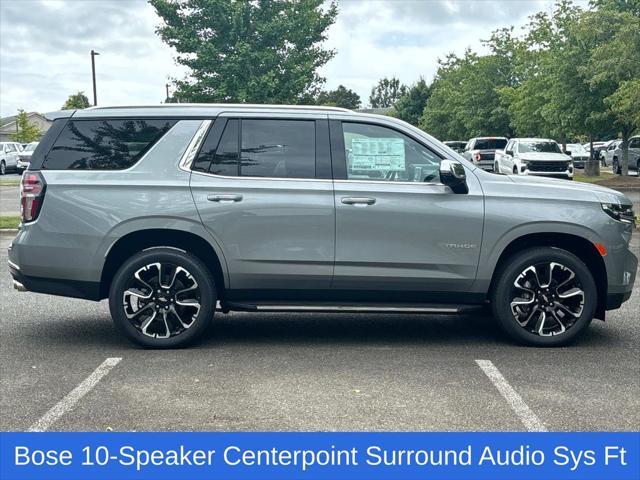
(310, 372)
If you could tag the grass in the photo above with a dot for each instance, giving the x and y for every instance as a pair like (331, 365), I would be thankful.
(11, 181)
(9, 222)
(585, 179)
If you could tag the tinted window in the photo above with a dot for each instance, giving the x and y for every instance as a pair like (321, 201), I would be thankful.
(220, 157)
(278, 148)
(104, 144)
(634, 143)
(379, 153)
(490, 144)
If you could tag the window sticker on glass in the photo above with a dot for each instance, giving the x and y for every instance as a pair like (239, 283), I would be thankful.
(380, 154)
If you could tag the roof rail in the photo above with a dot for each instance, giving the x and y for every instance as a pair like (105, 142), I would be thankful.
(226, 105)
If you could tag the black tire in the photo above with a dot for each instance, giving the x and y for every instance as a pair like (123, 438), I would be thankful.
(189, 270)
(3, 168)
(616, 167)
(496, 169)
(502, 296)
(515, 170)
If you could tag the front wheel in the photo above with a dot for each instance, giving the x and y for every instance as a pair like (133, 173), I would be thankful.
(544, 297)
(162, 298)
(3, 168)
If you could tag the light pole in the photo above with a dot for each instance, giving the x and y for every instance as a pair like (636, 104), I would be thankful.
(93, 74)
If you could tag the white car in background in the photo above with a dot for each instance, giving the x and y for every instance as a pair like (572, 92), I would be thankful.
(578, 153)
(9, 152)
(24, 157)
(533, 156)
(606, 156)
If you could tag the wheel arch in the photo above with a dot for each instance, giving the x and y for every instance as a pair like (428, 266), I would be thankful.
(579, 246)
(139, 240)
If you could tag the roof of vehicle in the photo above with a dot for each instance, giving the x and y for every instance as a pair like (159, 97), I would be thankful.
(199, 109)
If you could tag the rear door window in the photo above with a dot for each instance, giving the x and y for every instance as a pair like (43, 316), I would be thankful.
(107, 144)
(267, 148)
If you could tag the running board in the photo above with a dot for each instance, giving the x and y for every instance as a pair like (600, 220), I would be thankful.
(333, 308)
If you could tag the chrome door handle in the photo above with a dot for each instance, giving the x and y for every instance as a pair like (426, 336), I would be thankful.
(358, 200)
(224, 198)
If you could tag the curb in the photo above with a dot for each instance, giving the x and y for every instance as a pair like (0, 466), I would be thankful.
(7, 231)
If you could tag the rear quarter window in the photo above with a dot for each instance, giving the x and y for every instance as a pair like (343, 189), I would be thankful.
(104, 144)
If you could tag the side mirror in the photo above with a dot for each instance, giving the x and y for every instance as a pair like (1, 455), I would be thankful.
(509, 152)
(452, 175)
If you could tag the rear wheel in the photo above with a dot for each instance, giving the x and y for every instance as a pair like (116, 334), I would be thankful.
(3, 167)
(162, 298)
(496, 169)
(616, 166)
(515, 170)
(544, 297)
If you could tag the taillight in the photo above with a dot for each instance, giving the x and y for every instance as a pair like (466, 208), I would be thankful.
(32, 187)
(476, 157)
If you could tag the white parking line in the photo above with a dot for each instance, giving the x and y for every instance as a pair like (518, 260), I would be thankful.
(526, 415)
(68, 402)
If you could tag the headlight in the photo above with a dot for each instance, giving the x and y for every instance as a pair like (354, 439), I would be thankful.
(622, 213)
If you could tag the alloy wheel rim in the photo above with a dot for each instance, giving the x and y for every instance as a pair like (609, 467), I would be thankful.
(547, 299)
(162, 300)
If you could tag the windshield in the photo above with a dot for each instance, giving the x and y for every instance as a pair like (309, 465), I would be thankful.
(490, 143)
(547, 147)
(31, 147)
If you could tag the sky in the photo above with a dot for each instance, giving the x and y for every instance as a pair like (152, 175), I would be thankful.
(45, 46)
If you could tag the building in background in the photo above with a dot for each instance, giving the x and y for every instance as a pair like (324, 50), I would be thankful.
(8, 125)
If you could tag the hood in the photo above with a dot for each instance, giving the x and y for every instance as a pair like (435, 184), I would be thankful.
(546, 156)
(570, 189)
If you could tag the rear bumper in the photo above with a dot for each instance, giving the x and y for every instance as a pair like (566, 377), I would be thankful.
(54, 286)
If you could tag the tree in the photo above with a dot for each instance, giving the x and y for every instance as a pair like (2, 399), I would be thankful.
(266, 51)
(77, 101)
(340, 97)
(410, 106)
(386, 93)
(464, 100)
(613, 67)
(26, 131)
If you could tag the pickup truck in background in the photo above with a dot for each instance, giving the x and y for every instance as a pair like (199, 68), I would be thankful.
(533, 156)
(481, 151)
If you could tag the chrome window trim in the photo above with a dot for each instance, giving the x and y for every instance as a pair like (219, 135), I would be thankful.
(189, 154)
(226, 177)
(387, 182)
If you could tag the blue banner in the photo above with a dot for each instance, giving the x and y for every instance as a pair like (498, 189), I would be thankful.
(370, 456)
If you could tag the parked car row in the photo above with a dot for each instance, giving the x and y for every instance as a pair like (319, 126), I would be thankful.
(15, 157)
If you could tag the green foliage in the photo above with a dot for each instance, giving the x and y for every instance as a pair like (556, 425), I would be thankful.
(573, 74)
(27, 132)
(340, 97)
(77, 101)
(386, 93)
(410, 106)
(465, 100)
(267, 51)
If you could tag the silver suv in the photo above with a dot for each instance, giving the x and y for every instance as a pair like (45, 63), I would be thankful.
(176, 211)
